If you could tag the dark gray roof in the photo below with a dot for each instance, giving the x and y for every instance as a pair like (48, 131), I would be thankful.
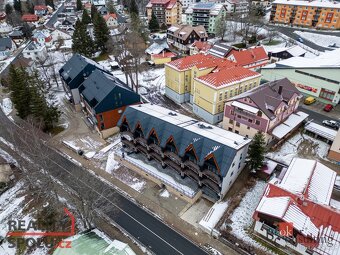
(220, 49)
(267, 97)
(105, 92)
(33, 46)
(5, 43)
(16, 33)
(205, 139)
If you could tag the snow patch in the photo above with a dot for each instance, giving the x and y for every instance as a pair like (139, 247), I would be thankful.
(7, 106)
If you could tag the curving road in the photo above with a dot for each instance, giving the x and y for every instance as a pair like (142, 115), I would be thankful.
(149, 230)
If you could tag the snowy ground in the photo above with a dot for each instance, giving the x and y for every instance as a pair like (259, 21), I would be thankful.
(296, 146)
(242, 215)
(6, 106)
(320, 39)
(213, 216)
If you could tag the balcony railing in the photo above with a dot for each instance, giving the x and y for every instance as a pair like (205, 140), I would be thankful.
(128, 143)
(212, 176)
(211, 185)
(156, 148)
(173, 165)
(142, 149)
(173, 156)
(191, 165)
(141, 141)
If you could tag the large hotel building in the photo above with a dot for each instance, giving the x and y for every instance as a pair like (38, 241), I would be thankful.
(318, 14)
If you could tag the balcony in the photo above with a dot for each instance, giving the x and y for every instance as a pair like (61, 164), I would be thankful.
(173, 156)
(156, 156)
(193, 176)
(156, 148)
(127, 133)
(212, 176)
(128, 143)
(141, 141)
(244, 113)
(173, 165)
(211, 185)
(192, 166)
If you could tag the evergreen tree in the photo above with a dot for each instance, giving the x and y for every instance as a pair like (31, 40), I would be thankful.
(17, 5)
(50, 3)
(94, 11)
(164, 27)
(110, 6)
(133, 7)
(8, 9)
(86, 19)
(26, 30)
(101, 32)
(79, 5)
(256, 151)
(82, 43)
(30, 7)
(153, 23)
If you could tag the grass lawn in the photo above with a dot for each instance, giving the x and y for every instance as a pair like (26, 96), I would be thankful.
(102, 57)
(273, 42)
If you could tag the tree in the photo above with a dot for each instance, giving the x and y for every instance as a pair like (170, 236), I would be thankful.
(256, 151)
(17, 5)
(26, 30)
(8, 9)
(85, 19)
(94, 11)
(110, 6)
(153, 23)
(82, 42)
(133, 7)
(50, 3)
(101, 32)
(221, 27)
(79, 5)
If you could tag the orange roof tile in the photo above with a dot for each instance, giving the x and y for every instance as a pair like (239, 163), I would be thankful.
(248, 56)
(202, 46)
(164, 55)
(40, 7)
(107, 16)
(227, 76)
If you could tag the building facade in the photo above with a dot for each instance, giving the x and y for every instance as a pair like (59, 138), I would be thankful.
(318, 14)
(317, 77)
(205, 14)
(182, 36)
(251, 58)
(265, 109)
(211, 156)
(35, 51)
(168, 12)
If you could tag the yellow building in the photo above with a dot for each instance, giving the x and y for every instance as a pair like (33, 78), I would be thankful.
(162, 58)
(319, 14)
(207, 82)
(168, 12)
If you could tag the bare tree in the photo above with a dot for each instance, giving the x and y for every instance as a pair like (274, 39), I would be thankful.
(221, 27)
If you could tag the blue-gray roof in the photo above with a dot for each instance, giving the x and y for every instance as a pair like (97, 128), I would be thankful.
(205, 139)
(104, 92)
(5, 43)
(203, 5)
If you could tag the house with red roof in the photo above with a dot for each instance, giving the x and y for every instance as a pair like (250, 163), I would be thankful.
(29, 18)
(40, 10)
(199, 47)
(300, 211)
(270, 108)
(207, 82)
(111, 20)
(251, 58)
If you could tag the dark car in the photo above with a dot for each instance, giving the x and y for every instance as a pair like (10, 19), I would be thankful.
(328, 107)
(331, 123)
(300, 40)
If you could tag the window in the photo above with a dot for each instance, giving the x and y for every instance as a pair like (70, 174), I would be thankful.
(248, 127)
(102, 126)
(101, 117)
(231, 174)
(259, 114)
(250, 120)
(231, 121)
(230, 129)
(220, 97)
(237, 124)
(219, 108)
(237, 132)
(257, 122)
(233, 164)
(226, 95)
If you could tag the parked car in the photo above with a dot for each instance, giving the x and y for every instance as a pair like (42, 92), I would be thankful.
(331, 123)
(328, 107)
(300, 40)
(309, 100)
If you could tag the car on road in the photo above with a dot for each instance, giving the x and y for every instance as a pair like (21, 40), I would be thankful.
(300, 40)
(328, 107)
(331, 123)
(309, 100)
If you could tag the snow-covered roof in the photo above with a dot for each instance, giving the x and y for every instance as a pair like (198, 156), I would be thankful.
(320, 130)
(274, 206)
(296, 51)
(288, 125)
(245, 107)
(317, 3)
(157, 47)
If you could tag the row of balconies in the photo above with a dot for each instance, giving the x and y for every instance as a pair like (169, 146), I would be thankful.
(202, 176)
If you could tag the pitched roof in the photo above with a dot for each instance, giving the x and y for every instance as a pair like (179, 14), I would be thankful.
(201, 46)
(40, 7)
(220, 49)
(267, 97)
(32, 46)
(184, 31)
(105, 92)
(206, 139)
(29, 17)
(248, 56)
(107, 16)
(164, 55)
(5, 43)
(227, 76)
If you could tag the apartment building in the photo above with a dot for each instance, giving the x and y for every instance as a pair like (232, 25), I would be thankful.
(236, 6)
(205, 14)
(209, 155)
(270, 108)
(251, 58)
(168, 12)
(318, 14)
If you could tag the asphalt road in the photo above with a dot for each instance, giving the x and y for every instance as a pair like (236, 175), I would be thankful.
(289, 31)
(54, 17)
(315, 116)
(149, 230)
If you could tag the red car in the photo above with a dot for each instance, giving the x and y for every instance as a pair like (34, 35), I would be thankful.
(328, 107)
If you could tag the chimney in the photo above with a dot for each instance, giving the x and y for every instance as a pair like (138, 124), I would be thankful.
(280, 90)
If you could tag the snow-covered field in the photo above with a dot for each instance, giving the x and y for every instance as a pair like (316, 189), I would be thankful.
(320, 39)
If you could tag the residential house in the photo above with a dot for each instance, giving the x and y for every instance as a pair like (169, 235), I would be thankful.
(40, 10)
(264, 3)
(60, 35)
(67, 23)
(7, 47)
(104, 98)
(220, 49)
(98, 3)
(303, 202)
(5, 28)
(270, 108)
(70, 9)
(159, 52)
(35, 51)
(317, 77)
(17, 36)
(111, 20)
(205, 14)
(182, 36)
(317, 14)
(209, 155)
(73, 74)
(2, 16)
(199, 47)
(251, 58)
(168, 12)
(187, 3)
(29, 18)
(42, 37)
(277, 54)
(102, 10)
(236, 6)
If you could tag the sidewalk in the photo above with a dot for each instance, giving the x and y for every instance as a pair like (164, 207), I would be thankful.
(318, 107)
